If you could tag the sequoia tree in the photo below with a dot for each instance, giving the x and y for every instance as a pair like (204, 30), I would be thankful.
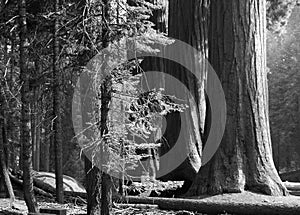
(237, 45)
(188, 23)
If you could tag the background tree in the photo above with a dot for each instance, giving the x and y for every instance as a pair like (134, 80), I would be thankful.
(4, 174)
(25, 115)
(56, 108)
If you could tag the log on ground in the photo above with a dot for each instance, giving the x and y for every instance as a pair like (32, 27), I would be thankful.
(35, 189)
(292, 185)
(215, 207)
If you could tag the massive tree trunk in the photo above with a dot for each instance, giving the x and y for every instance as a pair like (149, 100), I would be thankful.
(238, 54)
(57, 110)
(25, 114)
(188, 23)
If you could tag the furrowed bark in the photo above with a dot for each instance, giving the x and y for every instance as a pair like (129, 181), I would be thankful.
(238, 54)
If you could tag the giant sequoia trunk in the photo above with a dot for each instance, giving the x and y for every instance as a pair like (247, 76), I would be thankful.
(238, 54)
(25, 115)
(188, 23)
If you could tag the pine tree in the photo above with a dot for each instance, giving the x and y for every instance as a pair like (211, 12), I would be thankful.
(25, 115)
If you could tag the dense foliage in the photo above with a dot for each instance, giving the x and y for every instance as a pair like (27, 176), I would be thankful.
(278, 13)
(283, 61)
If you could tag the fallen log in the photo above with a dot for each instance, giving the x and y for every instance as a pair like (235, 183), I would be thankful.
(35, 189)
(294, 193)
(44, 186)
(140, 206)
(69, 183)
(214, 207)
(292, 185)
(58, 211)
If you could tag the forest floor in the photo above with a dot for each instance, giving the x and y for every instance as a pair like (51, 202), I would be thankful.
(78, 207)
